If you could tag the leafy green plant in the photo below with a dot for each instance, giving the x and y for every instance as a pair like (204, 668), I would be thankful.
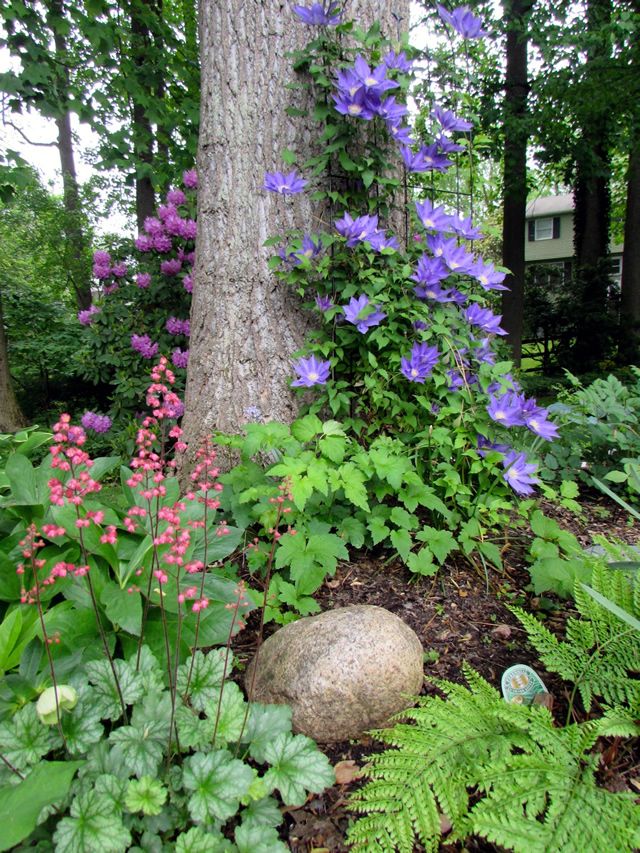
(600, 654)
(500, 771)
(155, 777)
(557, 559)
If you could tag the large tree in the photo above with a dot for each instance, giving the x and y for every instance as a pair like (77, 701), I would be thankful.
(245, 326)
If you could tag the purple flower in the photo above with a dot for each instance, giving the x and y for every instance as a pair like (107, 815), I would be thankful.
(101, 270)
(375, 81)
(353, 104)
(420, 363)
(436, 293)
(357, 230)
(187, 283)
(171, 267)
(464, 228)
(507, 409)
(153, 226)
(324, 303)
(427, 159)
(176, 197)
(102, 259)
(391, 111)
(178, 327)
(535, 419)
(95, 422)
(311, 372)
(457, 258)
(144, 345)
(309, 249)
(484, 318)
(463, 22)
(354, 314)
(180, 358)
(485, 446)
(277, 182)
(161, 243)
(448, 121)
(433, 218)
(402, 135)
(484, 353)
(173, 224)
(143, 280)
(399, 61)
(447, 146)
(167, 210)
(175, 410)
(419, 325)
(190, 179)
(518, 473)
(487, 275)
(144, 243)
(380, 241)
(120, 270)
(86, 317)
(188, 229)
(318, 14)
(439, 244)
(430, 270)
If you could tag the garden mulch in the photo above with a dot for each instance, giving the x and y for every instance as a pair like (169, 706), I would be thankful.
(460, 614)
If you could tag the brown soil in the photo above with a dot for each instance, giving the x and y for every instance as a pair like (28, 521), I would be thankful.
(460, 615)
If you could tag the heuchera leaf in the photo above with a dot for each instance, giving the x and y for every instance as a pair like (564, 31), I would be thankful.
(198, 840)
(21, 804)
(24, 740)
(206, 672)
(256, 838)
(93, 827)
(218, 782)
(264, 723)
(297, 766)
(105, 694)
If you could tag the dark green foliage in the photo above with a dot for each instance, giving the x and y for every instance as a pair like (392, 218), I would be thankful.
(500, 771)
(600, 654)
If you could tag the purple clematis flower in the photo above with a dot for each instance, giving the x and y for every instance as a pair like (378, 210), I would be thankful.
(391, 111)
(354, 314)
(311, 372)
(310, 249)
(435, 292)
(357, 230)
(375, 81)
(464, 228)
(463, 22)
(484, 353)
(536, 419)
(439, 244)
(447, 146)
(318, 14)
(484, 318)
(485, 446)
(507, 409)
(420, 363)
(433, 218)
(277, 182)
(324, 303)
(402, 135)
(518, 473)
(430, 270)
(355, 105)
(488, 276)
(427, 159)
(448, 121)
(457, 258)
(398, 61)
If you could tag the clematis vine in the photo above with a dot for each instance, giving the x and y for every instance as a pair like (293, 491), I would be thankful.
(277, 182)
(359, 313)
(311, 372)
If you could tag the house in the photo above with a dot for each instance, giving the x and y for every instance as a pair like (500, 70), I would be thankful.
(549, 240)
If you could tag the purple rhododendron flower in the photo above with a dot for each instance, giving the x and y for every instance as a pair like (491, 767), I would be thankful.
(144, 243)
(144, 345)
(102, 259)
(318, 14)
(162, 243)
(354, 314)
(190, 179)
(324, 303)
(487, 275)
(518, 473)
(420, 363)
(433, 218)
(187, 283)
(95, 422)
(484, 318)
(311, 372)
(398, 61)
(463, 21)
(153, 226)
(171, 267)
(178, 327)
(278, 182)
(143, 280)
(507, 409)
(176, 197)
(180, 358)
(119, 270)
(85, 318)
(448, 121)
(167, 210)
(189, 229)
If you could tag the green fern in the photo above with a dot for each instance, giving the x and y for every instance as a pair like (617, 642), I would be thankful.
(601, 654)
(535, 782)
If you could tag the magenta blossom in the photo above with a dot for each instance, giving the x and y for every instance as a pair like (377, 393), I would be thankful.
(178, 327)
(86, 317)
(171, 267)
(176, 197)
(190, 179)
(97, 423)
(144, 345)
(187, 283)
(277, 182)
(143, 280)
(311, 372)
(179, 357)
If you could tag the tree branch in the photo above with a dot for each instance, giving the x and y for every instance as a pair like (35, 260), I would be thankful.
(25, 137)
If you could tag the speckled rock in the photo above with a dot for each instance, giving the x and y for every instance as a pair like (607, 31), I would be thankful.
(343, 672)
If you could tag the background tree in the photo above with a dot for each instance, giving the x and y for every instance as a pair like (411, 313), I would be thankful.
(245, 327)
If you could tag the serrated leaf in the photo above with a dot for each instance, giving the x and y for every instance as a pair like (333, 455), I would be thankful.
(421, 562)
(378, 529)
(257, 838)
(297, 766)
(24, 740)
(141, 746)
(92, 827)
(264, 812)
(441, 542)
(21, 804)
(401, 541)
(228, 707)
(333, 447)
(264, 723)
(304, 429)
(353, 531)
(217, 782)
(206, 671)
(106, 699)
(146, 795)
(197, 840)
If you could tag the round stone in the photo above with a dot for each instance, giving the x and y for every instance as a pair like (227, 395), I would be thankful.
(343, 672)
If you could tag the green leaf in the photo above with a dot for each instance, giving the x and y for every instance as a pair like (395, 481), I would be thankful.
(297, 766)
(264, 723)
(353, 484)
(146, 795)
(207, 672)
(23, 481)
(401, 541)
(612, 607)
(288, 156)
(198, 840)
(218, 782)
(378, 529)
(367, 177)
(304, 429)
(402, 518)
(421, 562)
(140, 746)
(106, 699)
(256, 838)
(123, 608)
(440, 542)
(23, 739)
(92, 827)
(353, 531)
(229, 707)
(333, 447)
(616, 476)
(21, 804)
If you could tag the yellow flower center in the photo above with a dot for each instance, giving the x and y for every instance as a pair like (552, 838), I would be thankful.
(355, 109)
(313, 376)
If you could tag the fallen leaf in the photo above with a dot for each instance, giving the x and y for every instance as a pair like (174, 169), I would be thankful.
(502, 632)
(347, 771)
(445, 824)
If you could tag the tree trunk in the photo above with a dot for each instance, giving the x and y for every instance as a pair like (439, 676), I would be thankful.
(629, 343)
(515, 170)
(592, 201)
(245, 325)
(76, 255)
(11, 417)
(143, 150)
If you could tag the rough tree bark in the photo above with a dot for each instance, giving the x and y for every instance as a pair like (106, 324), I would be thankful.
(11, 417)
(245, 326)
(515, 170)
(629, 343)
(141, 45)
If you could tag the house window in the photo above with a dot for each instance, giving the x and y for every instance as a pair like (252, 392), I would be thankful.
(544, 228)
(615, 272)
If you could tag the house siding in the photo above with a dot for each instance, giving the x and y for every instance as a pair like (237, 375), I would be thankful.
(538, 251)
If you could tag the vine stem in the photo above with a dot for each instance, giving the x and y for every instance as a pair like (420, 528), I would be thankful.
(13, 769)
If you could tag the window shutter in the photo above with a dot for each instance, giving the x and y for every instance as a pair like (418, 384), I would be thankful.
(556, 227)
(532, 230)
